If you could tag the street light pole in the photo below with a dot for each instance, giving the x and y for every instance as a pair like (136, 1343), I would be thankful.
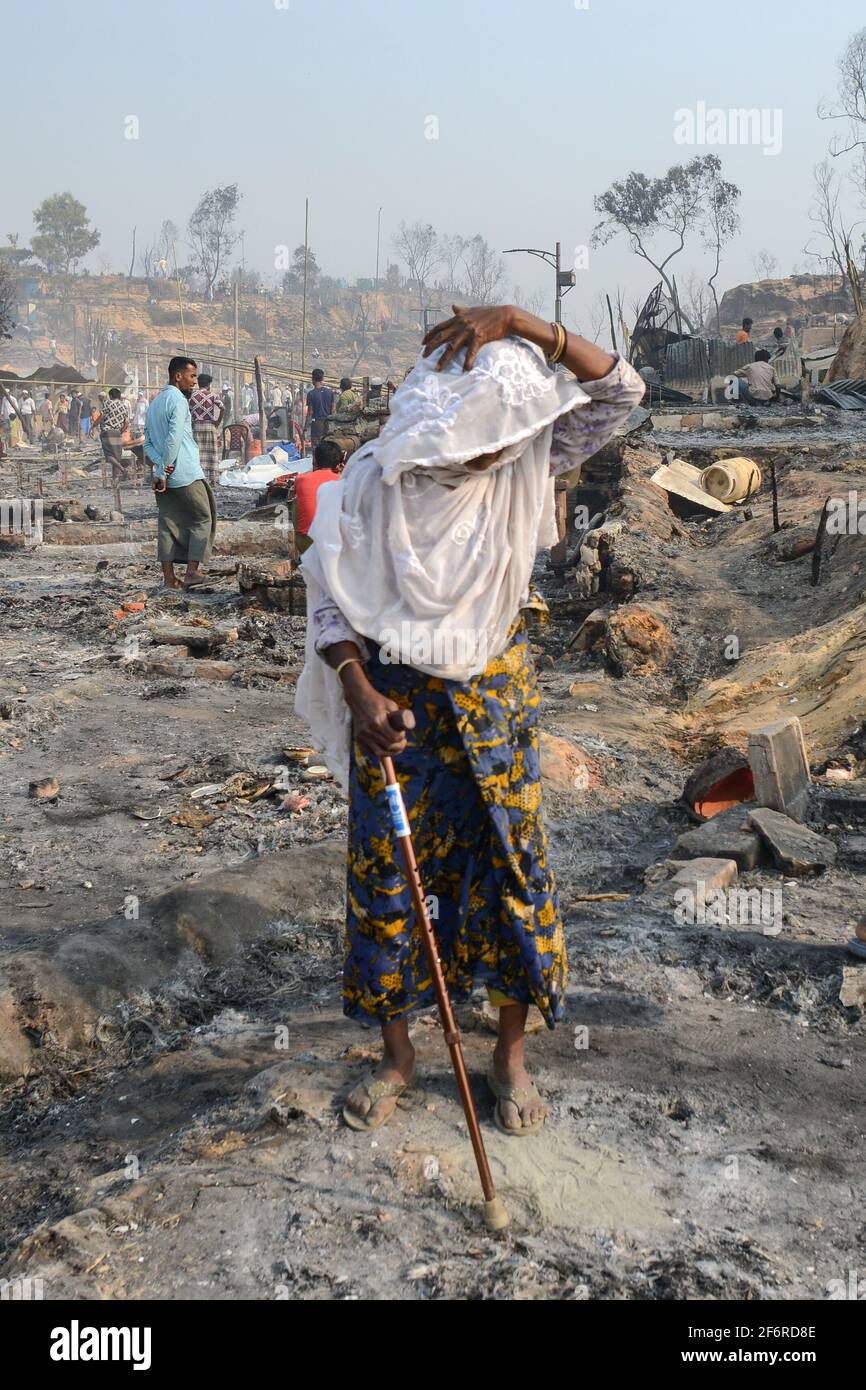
(565, 279)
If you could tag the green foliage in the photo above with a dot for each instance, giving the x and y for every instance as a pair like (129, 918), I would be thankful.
(293, 280)
(211, 231)
(64, 235)
(689, 198)
(7, 302)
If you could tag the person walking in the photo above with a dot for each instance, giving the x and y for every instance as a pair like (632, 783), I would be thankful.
(75, 414)
(9, 417)
(139, 414)
(85, 419)
(46, 414)
(28, 416)
(113, 424)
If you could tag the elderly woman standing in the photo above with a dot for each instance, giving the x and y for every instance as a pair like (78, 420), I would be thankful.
(421, 562)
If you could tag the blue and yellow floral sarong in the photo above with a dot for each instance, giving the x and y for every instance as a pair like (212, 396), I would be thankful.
(471, 782)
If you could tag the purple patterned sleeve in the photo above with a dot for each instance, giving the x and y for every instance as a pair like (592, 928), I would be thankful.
(330, 627)
(582, 432)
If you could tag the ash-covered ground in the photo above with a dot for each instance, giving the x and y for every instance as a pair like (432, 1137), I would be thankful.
(174, 1054)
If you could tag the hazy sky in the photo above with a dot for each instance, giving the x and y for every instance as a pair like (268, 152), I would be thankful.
(539, 107)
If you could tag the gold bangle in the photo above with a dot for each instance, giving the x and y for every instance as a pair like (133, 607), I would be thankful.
(347, 662)
(561, 341)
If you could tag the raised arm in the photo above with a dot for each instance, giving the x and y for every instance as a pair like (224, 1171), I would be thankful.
(472, 328)
(614, 387)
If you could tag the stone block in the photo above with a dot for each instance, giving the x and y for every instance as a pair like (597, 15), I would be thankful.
(780, 768)
(726, 836)
(795, 849)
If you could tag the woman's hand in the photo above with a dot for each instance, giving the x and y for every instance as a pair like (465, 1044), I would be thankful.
(470, 329)
(368, 708)
(370, 721)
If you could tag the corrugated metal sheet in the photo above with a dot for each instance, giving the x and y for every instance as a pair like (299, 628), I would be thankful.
(847, 393)
(688, 363)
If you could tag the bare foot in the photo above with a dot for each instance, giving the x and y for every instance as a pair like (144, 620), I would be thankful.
(511, 1071)
(390, 1069)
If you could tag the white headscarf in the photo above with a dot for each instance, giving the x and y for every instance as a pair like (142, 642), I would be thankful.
(427, 558)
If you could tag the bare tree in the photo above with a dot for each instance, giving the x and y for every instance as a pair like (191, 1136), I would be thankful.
(160, 250)
(418, 245)
(697, 299)
(485, 271)
(451, 249)
(722, 222)
(765, 265)
(533, 303)
(824, 214)
(850, 97)
(211, 232)
(597, 316)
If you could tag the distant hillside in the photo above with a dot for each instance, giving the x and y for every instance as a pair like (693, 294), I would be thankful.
(813, 300)
(94, 317)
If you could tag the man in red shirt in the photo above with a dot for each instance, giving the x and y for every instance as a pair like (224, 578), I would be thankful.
(328, 460)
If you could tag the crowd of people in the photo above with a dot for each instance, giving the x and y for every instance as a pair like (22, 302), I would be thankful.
(293, 412)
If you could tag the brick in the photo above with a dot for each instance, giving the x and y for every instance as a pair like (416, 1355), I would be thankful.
(211, 670)
(777, 756)
(165, 668)
(707, 873)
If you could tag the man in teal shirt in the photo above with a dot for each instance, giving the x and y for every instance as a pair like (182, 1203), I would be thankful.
(187, 508)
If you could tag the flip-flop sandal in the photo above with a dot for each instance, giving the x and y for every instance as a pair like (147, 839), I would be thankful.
(857, 948)
(519, 1096)
(376, 1090)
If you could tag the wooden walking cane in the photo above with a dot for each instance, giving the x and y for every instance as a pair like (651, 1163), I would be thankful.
(495, 1215)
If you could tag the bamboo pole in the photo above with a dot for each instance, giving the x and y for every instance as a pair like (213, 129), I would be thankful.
(179, 299)
(237, 390)
(306, 261)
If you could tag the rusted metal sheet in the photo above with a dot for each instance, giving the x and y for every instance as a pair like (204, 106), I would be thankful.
(690, 363)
